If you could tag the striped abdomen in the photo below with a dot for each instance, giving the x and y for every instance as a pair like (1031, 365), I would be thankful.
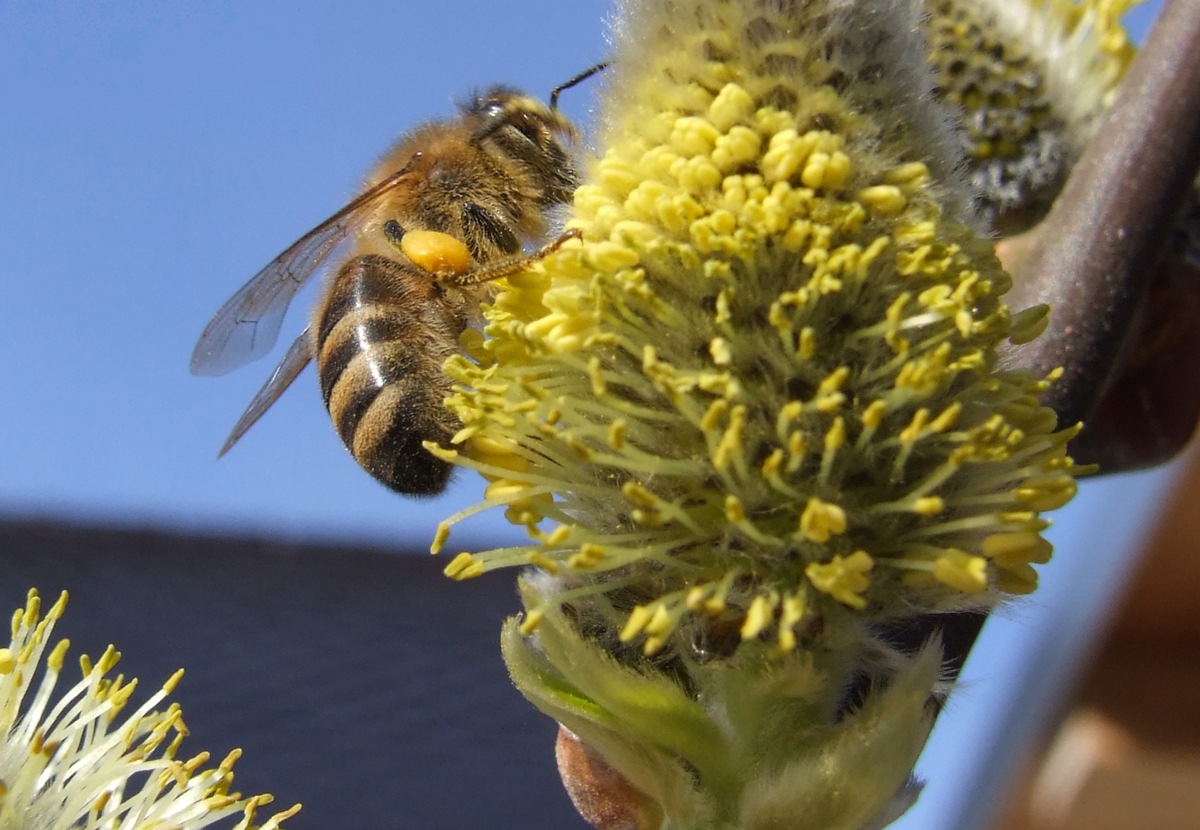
(383, 331)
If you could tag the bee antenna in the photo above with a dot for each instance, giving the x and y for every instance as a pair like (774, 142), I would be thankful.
(582, 76)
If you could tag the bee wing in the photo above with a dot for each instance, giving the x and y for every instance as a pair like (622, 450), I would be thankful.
(293, 363)
(247, 326)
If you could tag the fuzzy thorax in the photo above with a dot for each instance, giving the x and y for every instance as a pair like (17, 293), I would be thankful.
(763, 395)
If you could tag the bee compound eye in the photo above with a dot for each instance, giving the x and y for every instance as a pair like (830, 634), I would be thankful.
(436, 252)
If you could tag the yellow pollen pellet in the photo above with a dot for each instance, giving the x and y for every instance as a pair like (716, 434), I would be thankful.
(436, 252)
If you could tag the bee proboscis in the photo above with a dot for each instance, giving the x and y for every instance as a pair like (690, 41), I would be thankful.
(449, 209)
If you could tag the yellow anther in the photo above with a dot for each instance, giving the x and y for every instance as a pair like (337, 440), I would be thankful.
(929, 505)
(463, 566)
(962, 571)
(884, 199)
(843, 578)
(721, 352)
(821, 520)
(758, 616)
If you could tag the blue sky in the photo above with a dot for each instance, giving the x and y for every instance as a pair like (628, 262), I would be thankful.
(154, 155)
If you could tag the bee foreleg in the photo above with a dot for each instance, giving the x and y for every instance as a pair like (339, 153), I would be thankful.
(507, 267)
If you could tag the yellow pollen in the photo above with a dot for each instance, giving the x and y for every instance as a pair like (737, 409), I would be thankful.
(735, 511)
(731, 441)
(929, 505)
(463, 566)
(436, 252)
(590, 555)
(596, 373)
(638, 618)
(821, 520)
(440, 537)
(758, 616)
(884, 199)
(843, 578)
(961, 571)
(616, 435)
(721, 353)
(530, 623)
(835, 438)
(541, 560)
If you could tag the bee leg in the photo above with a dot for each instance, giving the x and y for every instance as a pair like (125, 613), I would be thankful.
(507, 267)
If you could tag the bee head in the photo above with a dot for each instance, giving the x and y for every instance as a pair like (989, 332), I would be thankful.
(502, 107)
(527, 132)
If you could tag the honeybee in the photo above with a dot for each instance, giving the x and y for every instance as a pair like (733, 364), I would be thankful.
(448, 210)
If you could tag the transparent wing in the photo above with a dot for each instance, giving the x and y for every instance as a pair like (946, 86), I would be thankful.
(293, 363)
(247, 326)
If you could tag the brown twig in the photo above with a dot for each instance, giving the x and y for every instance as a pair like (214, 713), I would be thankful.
(1092, 257)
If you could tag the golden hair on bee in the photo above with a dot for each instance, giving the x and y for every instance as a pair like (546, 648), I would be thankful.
(448, 210)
